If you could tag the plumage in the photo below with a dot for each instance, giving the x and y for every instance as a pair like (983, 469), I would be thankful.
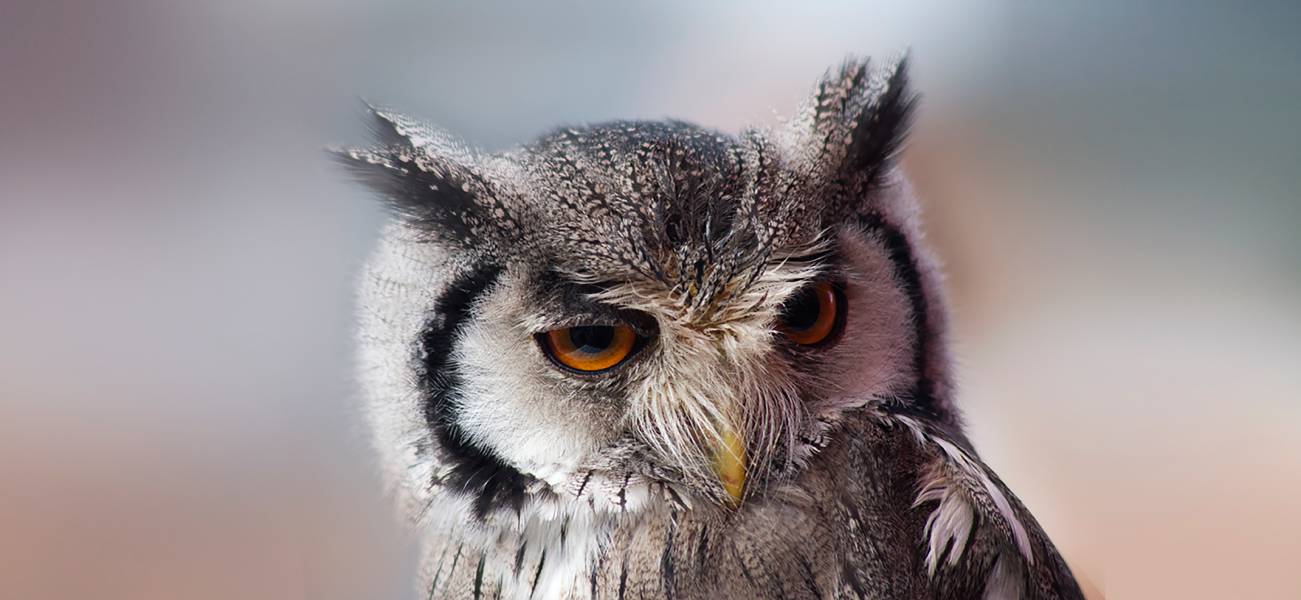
(722, 456)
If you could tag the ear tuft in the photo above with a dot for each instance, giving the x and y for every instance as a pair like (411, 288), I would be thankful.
(882, 126)
(856, 120)
(393, 129)
(432, 201)
(428, 179)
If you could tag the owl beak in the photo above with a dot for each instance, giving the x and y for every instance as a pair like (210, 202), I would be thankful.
(729, 464)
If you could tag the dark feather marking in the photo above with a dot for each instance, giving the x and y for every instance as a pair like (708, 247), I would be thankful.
(582, 486)
(702, 549)
(810, 580)
(922, 398)
(519, 557)
(439, 571)
(850, 575)
(677, 498)
(745, 570)
(623, 491)
(666, 557)
(478, 577)
(623, 576)
(450, 571)
(537, 575)
(474, 470)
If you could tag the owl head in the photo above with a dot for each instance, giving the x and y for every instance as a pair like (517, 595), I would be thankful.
(638, 314)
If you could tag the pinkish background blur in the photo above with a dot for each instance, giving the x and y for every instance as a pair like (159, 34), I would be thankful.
(1116, 188)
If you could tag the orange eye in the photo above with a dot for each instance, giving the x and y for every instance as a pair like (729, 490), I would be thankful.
(589, 348)
(814, 315)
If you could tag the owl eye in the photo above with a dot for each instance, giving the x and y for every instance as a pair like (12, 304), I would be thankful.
(814, 315)
(589, 348)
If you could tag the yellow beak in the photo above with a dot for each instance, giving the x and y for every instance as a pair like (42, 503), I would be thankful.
(729, 464)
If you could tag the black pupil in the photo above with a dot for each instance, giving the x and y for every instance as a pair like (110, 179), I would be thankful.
(801, 312)
(591, 339)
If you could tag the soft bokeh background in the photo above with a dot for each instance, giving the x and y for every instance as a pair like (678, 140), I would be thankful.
(1115, 187)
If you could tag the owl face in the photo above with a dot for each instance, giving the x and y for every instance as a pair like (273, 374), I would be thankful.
(639, 313)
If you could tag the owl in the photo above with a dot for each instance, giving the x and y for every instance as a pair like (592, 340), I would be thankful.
(646, 359)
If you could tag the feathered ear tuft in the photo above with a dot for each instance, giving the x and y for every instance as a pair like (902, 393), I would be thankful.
(427, 178)
(856, 120)
(882, 126)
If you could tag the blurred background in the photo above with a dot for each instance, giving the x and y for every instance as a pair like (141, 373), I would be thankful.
(1115, 187)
